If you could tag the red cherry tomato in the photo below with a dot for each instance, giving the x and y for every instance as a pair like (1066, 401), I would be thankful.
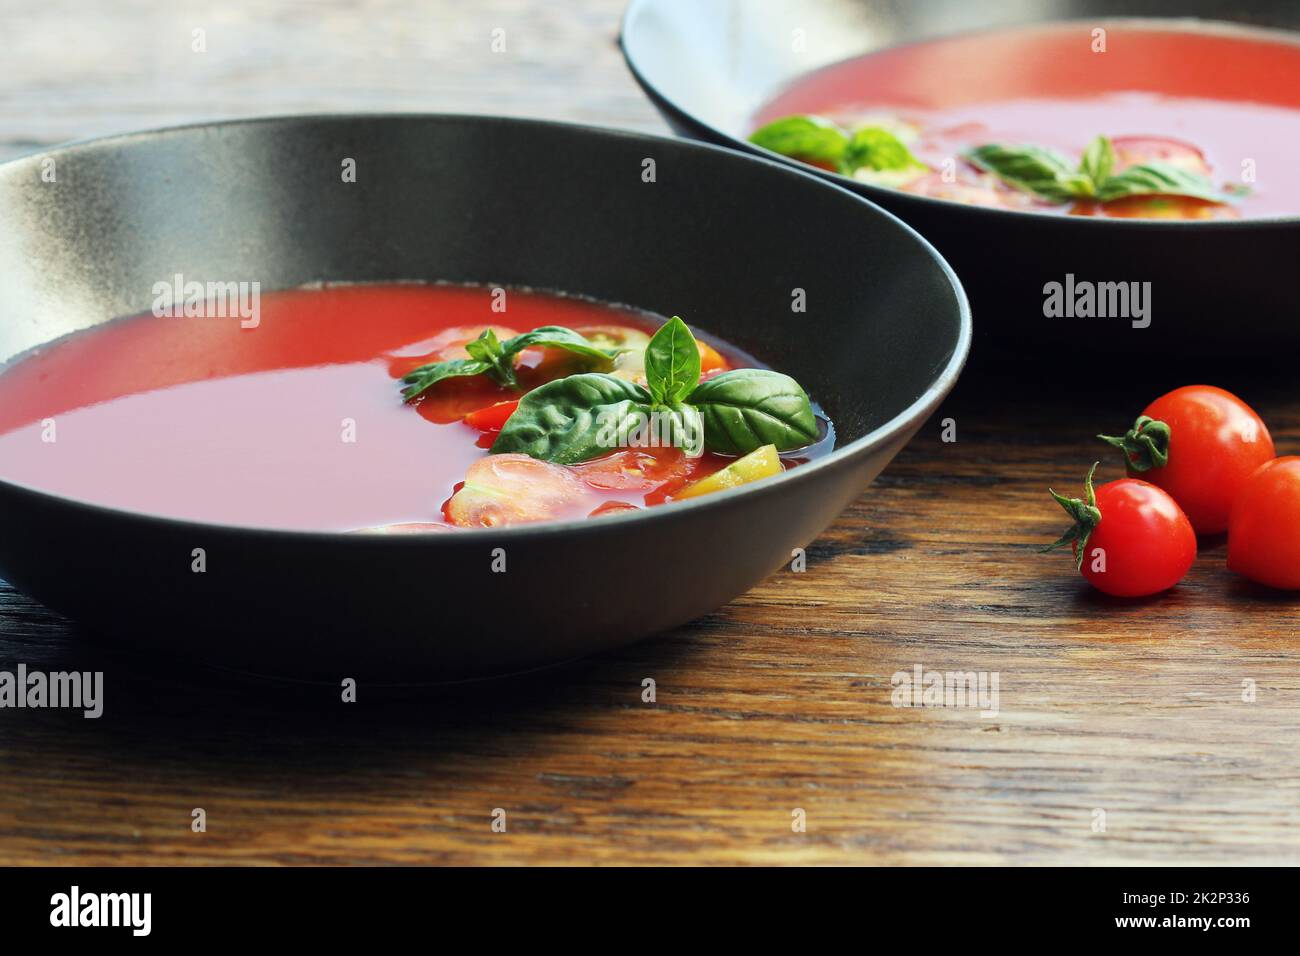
(1200, 444)
(613, 508)
(1136, 150)
(493, 418)
(1264, 532)
(635, 469)
(1130, 539)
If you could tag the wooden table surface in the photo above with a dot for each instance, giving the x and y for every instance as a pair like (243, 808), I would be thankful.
(1122, 735)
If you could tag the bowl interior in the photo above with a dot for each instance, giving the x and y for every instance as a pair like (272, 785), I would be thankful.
(810, 278)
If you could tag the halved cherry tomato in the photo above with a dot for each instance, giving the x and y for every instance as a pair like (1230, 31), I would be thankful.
(1129, 538)
(1200, 444)
(454, 398)
(410, 527)
(1136, 150)
(447, 345)
(513, 489)
(1158, 207)
(493, 418)
(634, 469)
(711, 359)
(972, 188)
(1264, 530)
(613, 508)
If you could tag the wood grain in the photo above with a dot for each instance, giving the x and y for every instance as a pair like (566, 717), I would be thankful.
(780, 701)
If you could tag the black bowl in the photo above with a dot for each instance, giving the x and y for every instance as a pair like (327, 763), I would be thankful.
(1217, 287)
(716, 237)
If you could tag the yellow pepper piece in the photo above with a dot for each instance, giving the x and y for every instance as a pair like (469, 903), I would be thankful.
(759, 463)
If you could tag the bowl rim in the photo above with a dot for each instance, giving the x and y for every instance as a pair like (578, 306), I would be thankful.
(930, 203)
(913, 415)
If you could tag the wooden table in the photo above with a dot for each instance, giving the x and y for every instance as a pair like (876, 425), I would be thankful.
(1121, 736)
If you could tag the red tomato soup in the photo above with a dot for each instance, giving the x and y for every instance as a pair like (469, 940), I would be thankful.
(1220, 102)
(300, 421)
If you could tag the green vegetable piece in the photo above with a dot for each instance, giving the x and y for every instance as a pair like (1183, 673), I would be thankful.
(574, 418)
(1033, 169)
(873, 147)
(1158, 179)
(672, 363)
(748, 408)
(808, 138)
(426, 376)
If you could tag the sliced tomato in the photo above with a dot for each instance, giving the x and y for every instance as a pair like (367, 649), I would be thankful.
(1158, 207)
(635, 469)
(711, 359)
(613, 508)
(973, 189)
(410, 527)
(454, 398)
(515, 489)
(1136, 150)
(493, 417)
(446, 345)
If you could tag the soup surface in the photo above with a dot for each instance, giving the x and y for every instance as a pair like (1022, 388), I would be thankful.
(300, 421)
(1219, 103)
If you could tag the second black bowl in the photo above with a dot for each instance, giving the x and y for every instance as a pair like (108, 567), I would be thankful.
(1216, 287)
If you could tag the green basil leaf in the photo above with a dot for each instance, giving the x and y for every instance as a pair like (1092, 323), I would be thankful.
(803, 137)
(873, 147)
(558, 337)
(1033, 169)
(428, 375)
(501, 364)
(1158, 179)
(1098, 160)
(672, 363)
(574, 418)
(685, 431)
(751, 407)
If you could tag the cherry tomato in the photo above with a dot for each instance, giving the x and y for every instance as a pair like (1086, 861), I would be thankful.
(1137, 150)
(493, 418)
(1264, 531)
(972, 188)
(513, 489)
(710, 359)
(635, 469)
(1157, 207)
(613, 508)
(1130, 539)
(410, 527)
(1200, 444)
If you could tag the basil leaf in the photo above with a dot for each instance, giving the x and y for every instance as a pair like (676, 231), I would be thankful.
(672, 363)
(1098, 160)
(685, 429)
(1158, 179)
(428, 375)
(873, 147)
(1033, 169)
(574, 418)
(803, 137)
(750, 407)
(501, 365)
(558, 337)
